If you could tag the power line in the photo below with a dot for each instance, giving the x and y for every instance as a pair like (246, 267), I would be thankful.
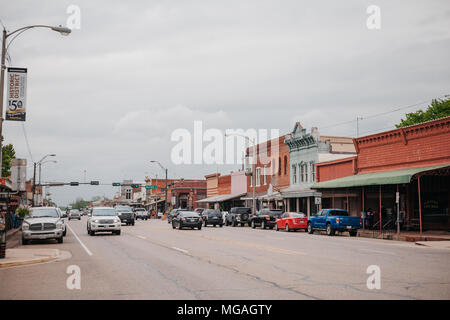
(387, 112)
(26, 140)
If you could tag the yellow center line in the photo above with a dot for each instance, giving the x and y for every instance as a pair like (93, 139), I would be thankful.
(235, 242)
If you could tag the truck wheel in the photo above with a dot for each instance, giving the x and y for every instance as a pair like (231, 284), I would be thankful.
(276, 228)
(173, 225)
(253, 224)
(330, 230)
(60, 239)
(310, 229)
(205, 223)
(263, 225)
(353, 233)
(24, 241)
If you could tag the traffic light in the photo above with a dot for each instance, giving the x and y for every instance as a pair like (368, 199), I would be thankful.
(74, 183)
(135, 185)
(94, 183)
(116, 184)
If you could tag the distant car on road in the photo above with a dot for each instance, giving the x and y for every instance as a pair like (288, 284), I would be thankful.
(265, 218)
(103, 219)
(141, 213)
(238, 215)
(333, 220)
(291, 221)
(173, 214)
(212, 217)
(125, 214)
(42, 223)
(74, 214)
(189, 219)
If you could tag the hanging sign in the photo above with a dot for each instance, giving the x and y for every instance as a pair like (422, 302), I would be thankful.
(17, 94)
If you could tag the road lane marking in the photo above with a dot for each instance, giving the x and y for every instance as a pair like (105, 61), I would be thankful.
(142, 237)
(235, 242)
(181, 250)
(82, 244)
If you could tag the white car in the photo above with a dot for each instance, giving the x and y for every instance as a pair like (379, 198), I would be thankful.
(103, 219)
(62, 215)
(141, 213)
(42, 223)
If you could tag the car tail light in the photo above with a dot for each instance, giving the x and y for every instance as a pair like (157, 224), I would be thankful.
(267, 217)
(337, 220)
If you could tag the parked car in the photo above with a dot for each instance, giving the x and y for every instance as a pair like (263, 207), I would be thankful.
(62, 216)
(173, 214)
(333, 220)
(212, 217)
(199, 210)
(238, 215)
(141, 213)
(189, 219)
(103, 219)
(265, 218)
(74, 214)
(292, 221)
(42, 223)
(125, 214)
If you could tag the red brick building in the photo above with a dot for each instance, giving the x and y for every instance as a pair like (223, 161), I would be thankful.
(224, 191)
(185, 193)
(413, 161)
(271, 173)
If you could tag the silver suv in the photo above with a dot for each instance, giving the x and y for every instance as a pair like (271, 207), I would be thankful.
(103, 219)
(42, 223)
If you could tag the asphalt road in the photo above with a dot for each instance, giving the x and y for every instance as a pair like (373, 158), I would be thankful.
(152, 261)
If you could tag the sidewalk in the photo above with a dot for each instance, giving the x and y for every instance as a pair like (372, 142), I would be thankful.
(410, 236)
(435, 244)
(18, 257)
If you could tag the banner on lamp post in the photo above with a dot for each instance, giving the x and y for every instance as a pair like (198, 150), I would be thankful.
(17, 94)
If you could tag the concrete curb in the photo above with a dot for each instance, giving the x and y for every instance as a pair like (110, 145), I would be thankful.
(20, 257)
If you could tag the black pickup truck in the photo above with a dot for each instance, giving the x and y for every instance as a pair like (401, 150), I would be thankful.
(238, 216)
(126, 214)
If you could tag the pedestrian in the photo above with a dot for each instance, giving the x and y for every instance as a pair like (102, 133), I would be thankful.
(369, 218)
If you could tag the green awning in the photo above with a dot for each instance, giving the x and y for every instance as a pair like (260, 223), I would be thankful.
(376, 178)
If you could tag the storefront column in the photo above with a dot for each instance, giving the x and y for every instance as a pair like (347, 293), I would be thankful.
(420, 205)
(297, 205)
(380, 209)
(308, 206)
(362, 206)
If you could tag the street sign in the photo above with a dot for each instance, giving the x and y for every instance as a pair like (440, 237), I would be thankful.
(151, 187)
(317, 200)
(95, 183)
(74, 183)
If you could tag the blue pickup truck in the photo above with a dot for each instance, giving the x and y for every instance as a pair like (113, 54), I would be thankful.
(333, 220)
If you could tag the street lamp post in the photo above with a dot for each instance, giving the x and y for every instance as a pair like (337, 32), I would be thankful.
(34, 174)
(165, 169)
(62, 30)
(253, 167)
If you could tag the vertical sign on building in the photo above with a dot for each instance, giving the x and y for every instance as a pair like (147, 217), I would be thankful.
(17, 94)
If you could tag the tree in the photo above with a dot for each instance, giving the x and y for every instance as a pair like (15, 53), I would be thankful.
(80, 203)
(8, 153)
(438, 109)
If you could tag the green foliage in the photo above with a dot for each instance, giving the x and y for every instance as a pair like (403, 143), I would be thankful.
(438, 109)
(22, 212)
(80, 203)
(8, 153)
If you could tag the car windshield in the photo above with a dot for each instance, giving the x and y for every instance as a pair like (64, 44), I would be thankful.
(297, 215)
(40, 213)
(74, 211)
(338, 213)
(273, 213)
(123, 208)
(188, 214)
(104, 212)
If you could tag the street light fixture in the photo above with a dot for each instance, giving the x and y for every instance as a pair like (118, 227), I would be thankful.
(165, 169)
(253, 165)
(17, 32)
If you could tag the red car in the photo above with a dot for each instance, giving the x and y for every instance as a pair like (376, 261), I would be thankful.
(292, 221)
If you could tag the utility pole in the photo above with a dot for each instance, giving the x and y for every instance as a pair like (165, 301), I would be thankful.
(34, 183)
(357, 125)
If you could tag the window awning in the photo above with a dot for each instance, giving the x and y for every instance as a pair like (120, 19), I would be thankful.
(376, 178)
(221, 197)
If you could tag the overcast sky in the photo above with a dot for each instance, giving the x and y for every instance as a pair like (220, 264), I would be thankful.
(106, 98)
